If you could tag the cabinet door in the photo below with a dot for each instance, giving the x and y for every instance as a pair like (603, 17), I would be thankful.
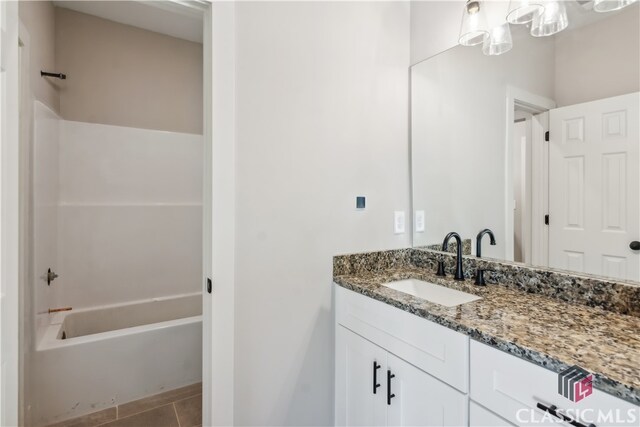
(420, 399)
(356, 402)
(481, 417)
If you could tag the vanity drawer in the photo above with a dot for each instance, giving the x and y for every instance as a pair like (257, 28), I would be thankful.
(435, 349)
(482, 417)
(512, 388)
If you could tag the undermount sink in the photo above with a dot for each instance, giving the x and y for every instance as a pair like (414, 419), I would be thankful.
(433, 293)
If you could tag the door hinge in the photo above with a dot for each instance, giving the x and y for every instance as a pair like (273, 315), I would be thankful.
(546, 136)
(546, 220)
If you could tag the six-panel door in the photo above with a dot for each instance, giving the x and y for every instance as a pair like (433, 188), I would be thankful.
(594, 187)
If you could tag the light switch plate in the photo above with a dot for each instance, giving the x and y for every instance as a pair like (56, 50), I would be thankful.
(398, 222)
(419, 225)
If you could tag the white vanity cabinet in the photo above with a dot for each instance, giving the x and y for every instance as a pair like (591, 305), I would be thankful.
(359, 365)
(394, 368)
(513, 389)
(376, 388)
(421, 400)
(482, 417)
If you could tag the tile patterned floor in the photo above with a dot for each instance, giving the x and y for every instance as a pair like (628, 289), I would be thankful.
(181, 407)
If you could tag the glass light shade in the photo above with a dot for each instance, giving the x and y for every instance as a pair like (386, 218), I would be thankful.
(523, 11)
(553, 19)
(473, 30)
(611, 5)
(498, 41)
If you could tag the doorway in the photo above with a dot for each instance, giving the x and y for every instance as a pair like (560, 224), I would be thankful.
(216, 78)
(527, 180)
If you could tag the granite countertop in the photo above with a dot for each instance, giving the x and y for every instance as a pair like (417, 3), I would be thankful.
(550, 333)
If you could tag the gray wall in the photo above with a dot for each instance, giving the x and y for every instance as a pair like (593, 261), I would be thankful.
(126, 76)
(38, 18)
(599, 60)
(322, 116)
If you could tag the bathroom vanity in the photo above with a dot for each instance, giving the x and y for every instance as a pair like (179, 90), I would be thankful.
(541, 152)
(494, 360)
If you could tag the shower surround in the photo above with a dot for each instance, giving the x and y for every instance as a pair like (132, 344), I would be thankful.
(117, 214)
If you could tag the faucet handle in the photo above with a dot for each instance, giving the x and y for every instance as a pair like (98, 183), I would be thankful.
(480, 276)
(440, 271)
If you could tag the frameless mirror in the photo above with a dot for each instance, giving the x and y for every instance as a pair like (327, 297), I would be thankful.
(480, 158)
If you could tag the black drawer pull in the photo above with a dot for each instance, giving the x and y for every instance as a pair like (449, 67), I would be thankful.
(389, 395)
(553, 411)
(375, 376)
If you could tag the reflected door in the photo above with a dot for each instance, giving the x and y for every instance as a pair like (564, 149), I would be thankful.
(594, 187)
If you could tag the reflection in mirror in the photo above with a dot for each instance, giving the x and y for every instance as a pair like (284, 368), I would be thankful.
(480, 158)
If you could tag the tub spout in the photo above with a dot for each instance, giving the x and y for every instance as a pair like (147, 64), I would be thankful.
(56, 310)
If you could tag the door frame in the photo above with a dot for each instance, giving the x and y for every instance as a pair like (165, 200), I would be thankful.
(9, 216)
(219, 202)
(534, 104)
(218, 209)
(218, 226)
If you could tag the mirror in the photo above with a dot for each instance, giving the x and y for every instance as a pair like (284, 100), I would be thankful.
(480, 159)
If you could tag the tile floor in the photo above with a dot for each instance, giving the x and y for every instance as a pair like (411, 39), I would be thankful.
(181, 407)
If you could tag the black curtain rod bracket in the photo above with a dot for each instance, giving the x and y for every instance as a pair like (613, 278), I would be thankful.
(56, 75)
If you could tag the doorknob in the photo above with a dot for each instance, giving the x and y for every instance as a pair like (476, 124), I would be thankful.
(635, 245)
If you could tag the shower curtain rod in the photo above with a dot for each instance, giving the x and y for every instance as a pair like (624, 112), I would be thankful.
(56, 75)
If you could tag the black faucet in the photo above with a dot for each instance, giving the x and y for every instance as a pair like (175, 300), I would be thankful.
(459, 274)
(480, 272)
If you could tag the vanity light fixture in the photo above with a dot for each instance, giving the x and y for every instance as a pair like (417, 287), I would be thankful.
(551, 21)
(523, 11)
(499, 40)
(473, 29)
(611, 5)
(547, 17)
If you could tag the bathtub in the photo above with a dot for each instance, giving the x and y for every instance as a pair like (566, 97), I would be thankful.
(92, 359)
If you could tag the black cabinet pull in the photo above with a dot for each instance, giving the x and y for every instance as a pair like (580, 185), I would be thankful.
(553, 411)
(375, 376)
(389, 395)
(635, 245)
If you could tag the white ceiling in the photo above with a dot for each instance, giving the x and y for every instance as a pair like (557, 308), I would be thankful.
(163, 17)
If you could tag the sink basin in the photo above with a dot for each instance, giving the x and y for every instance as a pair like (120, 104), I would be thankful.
(431, 292)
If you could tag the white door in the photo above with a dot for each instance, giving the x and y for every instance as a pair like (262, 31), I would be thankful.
(594, 187)
(360, 381)
(421, 400)
(9, 206)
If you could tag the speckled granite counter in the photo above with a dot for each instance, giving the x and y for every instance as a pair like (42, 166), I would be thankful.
(540, 329)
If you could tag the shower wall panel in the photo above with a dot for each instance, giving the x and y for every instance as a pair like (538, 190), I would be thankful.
(129, 218)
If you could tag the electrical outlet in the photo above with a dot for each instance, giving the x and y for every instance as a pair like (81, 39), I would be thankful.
(398, 222)
(419, 225)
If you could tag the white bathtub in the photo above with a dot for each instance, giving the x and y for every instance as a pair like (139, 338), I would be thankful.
(112, 355)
